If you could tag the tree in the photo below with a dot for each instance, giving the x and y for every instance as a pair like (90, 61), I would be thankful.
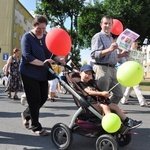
(134, 15)
(57, 12)
(89, 23)
(85, 19)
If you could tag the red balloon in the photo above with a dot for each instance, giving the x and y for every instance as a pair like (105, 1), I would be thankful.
(117, 27)
(58, 42)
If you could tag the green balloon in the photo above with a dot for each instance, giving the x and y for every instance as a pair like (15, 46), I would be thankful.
(111, 122)
(130, 74)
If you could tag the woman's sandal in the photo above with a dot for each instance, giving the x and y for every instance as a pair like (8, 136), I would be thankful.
(43, 132)
(25, 122)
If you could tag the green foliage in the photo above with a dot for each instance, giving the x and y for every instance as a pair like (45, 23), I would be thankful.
(89, 23)
(85, 19)
(134, 15)
(74, 59)
(145, 83)
(54, 12)
(57, 12)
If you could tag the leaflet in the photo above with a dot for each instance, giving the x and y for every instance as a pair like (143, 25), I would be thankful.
(126, 38)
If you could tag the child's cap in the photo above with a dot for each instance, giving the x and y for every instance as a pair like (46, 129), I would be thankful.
(86, 68)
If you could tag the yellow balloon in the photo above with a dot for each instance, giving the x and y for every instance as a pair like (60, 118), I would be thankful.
(111, 123)
(130, 74)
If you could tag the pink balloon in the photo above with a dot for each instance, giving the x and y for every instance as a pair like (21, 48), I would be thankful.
(117, 27)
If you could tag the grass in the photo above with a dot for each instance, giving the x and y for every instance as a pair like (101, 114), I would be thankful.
(145, 83)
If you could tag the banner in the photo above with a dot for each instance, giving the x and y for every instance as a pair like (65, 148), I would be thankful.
(137, 56)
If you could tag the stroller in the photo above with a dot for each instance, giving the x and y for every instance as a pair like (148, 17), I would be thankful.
(86, 121)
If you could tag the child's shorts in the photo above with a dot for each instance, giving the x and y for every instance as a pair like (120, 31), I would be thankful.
(105, 101)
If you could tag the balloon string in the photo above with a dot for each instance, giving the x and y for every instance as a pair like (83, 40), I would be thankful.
(51, 56)
(113, 87)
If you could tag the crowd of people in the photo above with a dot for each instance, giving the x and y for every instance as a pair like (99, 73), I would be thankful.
(30, 74)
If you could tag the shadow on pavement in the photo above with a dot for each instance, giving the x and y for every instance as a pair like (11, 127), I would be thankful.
(26, 140)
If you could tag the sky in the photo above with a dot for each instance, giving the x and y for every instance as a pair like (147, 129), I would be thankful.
(30, 5)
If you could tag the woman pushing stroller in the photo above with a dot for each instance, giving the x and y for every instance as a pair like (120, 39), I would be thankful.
(101, 101)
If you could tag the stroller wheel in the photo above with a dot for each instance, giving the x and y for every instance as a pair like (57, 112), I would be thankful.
(123, 139)
(61, 136)
(106, 142)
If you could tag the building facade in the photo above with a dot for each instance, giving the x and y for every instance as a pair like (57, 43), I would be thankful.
(15, 20)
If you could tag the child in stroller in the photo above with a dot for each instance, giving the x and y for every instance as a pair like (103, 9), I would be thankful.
(101, 97)
(87, 119)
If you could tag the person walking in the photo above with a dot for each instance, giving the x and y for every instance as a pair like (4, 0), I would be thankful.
(138, 92)
(14, 83)
(104, 53)
(53, 84)
(136, 88)
(4, 77)
(34, 71)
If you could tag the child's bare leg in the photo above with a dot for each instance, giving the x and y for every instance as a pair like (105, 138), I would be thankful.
(105, 108)
(102, 108)
(97, 107)
(117, 110)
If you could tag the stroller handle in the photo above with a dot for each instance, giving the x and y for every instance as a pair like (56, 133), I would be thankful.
(68, 67)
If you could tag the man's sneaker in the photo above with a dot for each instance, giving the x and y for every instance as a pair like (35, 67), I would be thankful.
(132, 124)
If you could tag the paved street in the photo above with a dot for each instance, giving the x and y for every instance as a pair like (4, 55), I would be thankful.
(13, 135)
